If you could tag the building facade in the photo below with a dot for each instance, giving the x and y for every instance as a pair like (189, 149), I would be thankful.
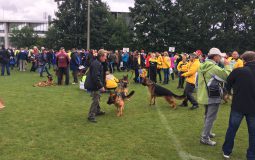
(7, 26)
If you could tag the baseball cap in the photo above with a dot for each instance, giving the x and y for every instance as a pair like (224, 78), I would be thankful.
(215, 51)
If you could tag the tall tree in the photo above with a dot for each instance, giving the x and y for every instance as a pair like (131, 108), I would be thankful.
(148, 33)
(69, 29)
(26, 37)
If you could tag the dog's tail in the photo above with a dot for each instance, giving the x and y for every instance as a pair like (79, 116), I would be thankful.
(130, 95)
(179, 97)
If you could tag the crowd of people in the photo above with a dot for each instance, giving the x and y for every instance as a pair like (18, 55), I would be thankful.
(210, 73)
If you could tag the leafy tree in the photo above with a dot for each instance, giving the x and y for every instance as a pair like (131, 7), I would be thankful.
(69, 29)
(197, 24)
(26, 37)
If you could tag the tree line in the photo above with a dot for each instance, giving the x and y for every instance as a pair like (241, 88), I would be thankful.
(157, 25)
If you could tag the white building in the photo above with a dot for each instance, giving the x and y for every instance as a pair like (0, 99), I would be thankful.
(6, 27)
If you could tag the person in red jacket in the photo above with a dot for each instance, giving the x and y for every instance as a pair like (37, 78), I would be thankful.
(63, 66)
(147, 63)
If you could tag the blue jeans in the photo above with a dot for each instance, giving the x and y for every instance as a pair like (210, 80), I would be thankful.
(7, 66)
(166, 75)
(234, 123)
(42, 69)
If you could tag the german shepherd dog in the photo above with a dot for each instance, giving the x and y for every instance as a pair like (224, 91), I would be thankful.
(1, 104)
(118, 99)
(158, 91)
(123, 85)
(226, 96)
(49, 82)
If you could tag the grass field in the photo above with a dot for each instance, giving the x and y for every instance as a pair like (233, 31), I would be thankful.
(51, 124)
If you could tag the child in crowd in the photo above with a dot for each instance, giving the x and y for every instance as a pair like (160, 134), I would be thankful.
(142, 74)
(111, 81)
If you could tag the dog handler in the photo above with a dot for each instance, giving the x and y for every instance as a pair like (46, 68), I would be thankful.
(190, 76)
(209, 90)
(95, 84)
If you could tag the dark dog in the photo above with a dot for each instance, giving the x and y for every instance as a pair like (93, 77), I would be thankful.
(158, 91)
(49, 82)
(118, 99)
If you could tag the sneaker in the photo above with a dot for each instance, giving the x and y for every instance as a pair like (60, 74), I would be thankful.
(183, 105)
(74, 83)
(226, 156)
(212, 135)
(101, 113)
(194, 107)
(93, 120)
(207, 141)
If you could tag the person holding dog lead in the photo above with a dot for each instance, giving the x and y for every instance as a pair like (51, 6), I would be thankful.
(95, 84)
(190, 76)
(210, 90)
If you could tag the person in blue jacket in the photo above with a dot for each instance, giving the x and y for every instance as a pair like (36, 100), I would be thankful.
(74, 65)
(125, 57)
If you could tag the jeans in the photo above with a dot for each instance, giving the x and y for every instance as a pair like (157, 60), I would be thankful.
(166, 75)
(159, 74)
(189, 89)
(234, 123)
(181, 79)
(44, 68)
(7, 66)
(136, 79)
(75, 76)
(61, 72)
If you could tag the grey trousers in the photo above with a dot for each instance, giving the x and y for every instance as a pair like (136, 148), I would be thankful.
(94, 108)
(211, 111)
(22, 65)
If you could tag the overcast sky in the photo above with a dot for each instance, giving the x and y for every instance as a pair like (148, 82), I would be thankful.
(34, 9)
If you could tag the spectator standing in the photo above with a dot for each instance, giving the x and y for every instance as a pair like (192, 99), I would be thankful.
(74, 65)
(243, 104)
(211, 78)
(165, 66)
(172, 66)
(63, 64)
(159, 65)
(182, 67)
(125, 58)
(153, 68)
(235, 61)
(23, 56)
(5, 61)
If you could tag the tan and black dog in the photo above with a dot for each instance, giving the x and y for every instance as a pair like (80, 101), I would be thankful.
(158, 91)
(49, 82)
(123, 85)
(1, 104)
(118, 99)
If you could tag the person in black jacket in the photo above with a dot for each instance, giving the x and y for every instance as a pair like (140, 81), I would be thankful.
(95, 84)
(242, 81)
(5, 61)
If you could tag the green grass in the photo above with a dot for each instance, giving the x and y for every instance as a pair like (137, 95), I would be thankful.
(51, 124)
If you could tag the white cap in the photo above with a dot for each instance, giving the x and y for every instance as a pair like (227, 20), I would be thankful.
(215, 51)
